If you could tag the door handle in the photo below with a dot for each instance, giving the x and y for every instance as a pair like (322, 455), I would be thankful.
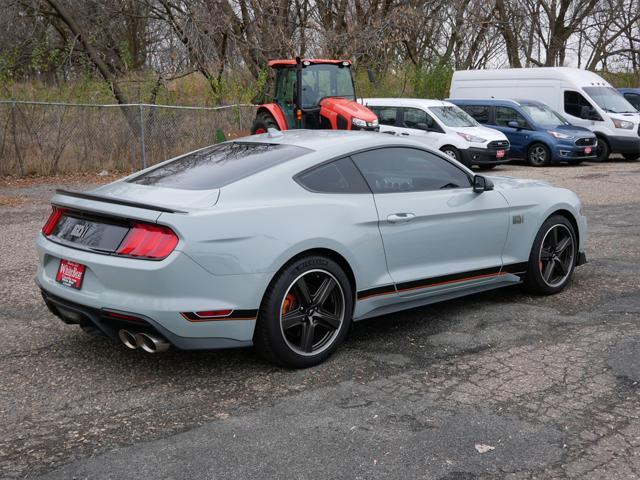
(405, 134)
(400, 217)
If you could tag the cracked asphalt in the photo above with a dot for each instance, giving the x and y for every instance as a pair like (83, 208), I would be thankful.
(552, 384)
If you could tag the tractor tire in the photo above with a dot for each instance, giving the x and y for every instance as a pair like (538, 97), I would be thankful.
(263, 123)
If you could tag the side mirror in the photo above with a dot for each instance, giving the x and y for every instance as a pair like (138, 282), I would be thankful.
(482, 184)
(513, 124)
(422, 126)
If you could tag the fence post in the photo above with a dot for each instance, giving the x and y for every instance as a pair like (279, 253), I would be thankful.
(142, 144)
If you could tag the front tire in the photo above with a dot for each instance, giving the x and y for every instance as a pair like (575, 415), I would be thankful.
(602, 150)
(305, 313)
(552, 258)
(538, 155)
(453, 152)
(263, 123)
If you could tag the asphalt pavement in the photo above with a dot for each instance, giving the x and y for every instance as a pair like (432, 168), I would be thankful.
(500, 385)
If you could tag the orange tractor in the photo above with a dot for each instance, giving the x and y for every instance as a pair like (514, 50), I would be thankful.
(315, 94)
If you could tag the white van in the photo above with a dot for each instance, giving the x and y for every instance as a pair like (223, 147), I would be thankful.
(442, 126)
(583, 97)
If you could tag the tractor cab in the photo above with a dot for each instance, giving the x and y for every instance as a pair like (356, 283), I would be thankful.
(314, 94)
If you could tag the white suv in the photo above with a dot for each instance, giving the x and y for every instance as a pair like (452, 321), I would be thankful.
(443, 126)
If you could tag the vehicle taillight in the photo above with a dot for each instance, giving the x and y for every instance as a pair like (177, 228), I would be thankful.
(54, 218)
(148, 241)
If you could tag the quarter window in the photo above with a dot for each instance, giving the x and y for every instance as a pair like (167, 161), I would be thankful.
(504, 115)
(394, 170)
(340, 176)
(386, 115)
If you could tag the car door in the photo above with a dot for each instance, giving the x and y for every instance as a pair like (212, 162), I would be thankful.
(419, 125)
(388, 117)
(517, 136)
(437, 232)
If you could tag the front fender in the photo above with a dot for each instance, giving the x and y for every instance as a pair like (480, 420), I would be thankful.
(276, 112)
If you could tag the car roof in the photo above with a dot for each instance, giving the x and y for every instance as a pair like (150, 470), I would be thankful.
(629, 90)
(289, 62)
(326, 140)
(488, 101)
(405, 102)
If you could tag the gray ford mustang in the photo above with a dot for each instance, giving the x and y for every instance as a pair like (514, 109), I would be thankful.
(281, 240)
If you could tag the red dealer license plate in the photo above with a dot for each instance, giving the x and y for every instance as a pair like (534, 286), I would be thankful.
(70, 274)
(587, 150)
(500, 154)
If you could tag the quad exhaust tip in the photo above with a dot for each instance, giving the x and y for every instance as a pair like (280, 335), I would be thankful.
(146, 341)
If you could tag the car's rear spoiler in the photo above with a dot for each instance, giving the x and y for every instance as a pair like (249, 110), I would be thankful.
(117, 201)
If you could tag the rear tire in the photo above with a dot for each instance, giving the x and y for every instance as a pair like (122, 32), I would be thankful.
(602, 150)
(263, 123)
(538, 155)
(552, 258)
(300, 324)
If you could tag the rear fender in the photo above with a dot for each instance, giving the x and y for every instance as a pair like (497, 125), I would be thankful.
(276, 112)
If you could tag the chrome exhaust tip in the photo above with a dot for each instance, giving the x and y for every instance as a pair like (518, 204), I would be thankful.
(129, 339)
(151, 343)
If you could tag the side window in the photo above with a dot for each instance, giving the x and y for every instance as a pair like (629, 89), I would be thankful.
(386, 115)
(504, 115)
(397, 169)
(340, 176)
(573, 103)
(417, 118)
(479, 112)
(633, 99)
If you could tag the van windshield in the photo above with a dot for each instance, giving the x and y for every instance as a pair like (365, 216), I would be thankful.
(610, 100)
(453, 116)
(543, 115)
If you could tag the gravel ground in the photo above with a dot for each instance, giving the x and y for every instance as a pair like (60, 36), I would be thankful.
(550, 383)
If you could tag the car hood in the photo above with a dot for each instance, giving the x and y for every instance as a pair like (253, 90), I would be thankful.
(507, 183)
(159, 196)
(573, 130)
(483, 132)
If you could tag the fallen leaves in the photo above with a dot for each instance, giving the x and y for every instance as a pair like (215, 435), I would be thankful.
(483, 448)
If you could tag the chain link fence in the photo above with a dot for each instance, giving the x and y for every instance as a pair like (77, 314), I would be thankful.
(59, 138)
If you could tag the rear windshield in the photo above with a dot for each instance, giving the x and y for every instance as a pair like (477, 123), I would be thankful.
(219, 165)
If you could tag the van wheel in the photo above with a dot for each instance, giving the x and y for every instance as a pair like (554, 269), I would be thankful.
(453, 153)
(602, 150)
(538, 155)
(305, 313)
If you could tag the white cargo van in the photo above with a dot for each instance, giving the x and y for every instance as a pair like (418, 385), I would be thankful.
(583, 97)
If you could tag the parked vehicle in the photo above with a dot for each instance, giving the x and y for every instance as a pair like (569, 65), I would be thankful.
(583, 97)
(313, 93)
(632, 95)
(280, 240)
(537, 133)
(443, 126)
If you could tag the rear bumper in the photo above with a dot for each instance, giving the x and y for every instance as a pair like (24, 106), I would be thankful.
(624, 145)
(157, 291)
(74, 313)
(482, 156)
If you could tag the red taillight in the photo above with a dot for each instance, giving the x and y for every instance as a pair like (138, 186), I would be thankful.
(148, 241)
(206, 315)
(54, 218)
